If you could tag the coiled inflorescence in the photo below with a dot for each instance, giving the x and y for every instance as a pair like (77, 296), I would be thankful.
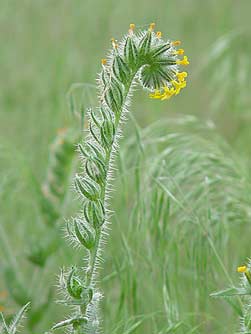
(142, 57)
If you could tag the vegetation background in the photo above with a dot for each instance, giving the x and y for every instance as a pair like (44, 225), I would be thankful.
(173, 240)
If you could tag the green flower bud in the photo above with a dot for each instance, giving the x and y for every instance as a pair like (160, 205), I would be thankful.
(94, 118)
(114, 97)
(95, 169)
(87, 188)
(106, 114)
(94, 213)
(91, 150)
(74, 286)
(84, 233)
(104, 78)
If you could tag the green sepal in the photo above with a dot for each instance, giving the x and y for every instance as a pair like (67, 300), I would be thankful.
(105, 78)
(93, 133)
(145, 44)
(114, 97)
(96, 151)
(168, 76)
(82, 150)
(169, 61)
(95, 169)
(94, 118)
(131, 52)
(91, 150)
(150, 79)
(107, 132)
(121, 70)
(159, 50)
(106, 114)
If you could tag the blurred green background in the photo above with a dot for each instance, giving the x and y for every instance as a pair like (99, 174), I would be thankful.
(46, 46)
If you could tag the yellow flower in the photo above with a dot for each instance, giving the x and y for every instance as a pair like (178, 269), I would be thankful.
(178, 86)
(183, 62)
(181, 76)
(103, 61)
(176, 43)
(242, 269)
(164, 95)
(179, 52)
(167, 93)
(155, 95)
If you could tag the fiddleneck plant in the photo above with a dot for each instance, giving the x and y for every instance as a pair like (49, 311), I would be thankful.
(142, 57)
(243, 295)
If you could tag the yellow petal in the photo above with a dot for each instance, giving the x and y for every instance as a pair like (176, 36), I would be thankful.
(242, 269)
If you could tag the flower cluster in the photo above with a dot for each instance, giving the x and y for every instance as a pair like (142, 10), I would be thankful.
(168, 91)
(173, 87)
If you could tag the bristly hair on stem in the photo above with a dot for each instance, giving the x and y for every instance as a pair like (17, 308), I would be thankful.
(142, 57)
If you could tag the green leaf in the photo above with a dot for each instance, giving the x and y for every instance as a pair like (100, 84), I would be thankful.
(233, 291)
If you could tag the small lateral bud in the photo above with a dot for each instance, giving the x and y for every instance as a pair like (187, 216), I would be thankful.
(94, 213)
(114, 43)
(159, 34)
(103, 61)
(73, 284)
(84, 233)
(151, 26)
(132, 26)
(87, 188)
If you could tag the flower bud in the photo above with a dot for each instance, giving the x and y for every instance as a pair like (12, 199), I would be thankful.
(84, 233)
(87, 188)
(95, 169)
(73, 285)
(94, 213)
